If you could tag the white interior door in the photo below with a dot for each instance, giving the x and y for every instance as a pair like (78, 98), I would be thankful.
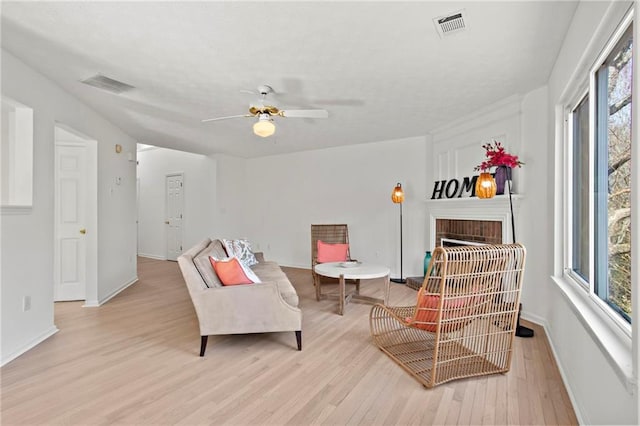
(175, 196)
(70, 266)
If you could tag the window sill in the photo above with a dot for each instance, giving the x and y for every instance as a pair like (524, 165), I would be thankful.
(613, 343)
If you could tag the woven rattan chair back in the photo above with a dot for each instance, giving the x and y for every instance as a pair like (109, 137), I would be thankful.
(331, 234)
(464, 320)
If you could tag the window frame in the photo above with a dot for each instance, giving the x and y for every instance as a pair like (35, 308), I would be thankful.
(570, 115)
(588, 87)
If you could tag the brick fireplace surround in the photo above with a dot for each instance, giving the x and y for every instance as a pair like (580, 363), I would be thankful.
(471, 219)
(479, 231)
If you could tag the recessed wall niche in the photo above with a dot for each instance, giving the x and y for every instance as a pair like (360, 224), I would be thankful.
(16, 157)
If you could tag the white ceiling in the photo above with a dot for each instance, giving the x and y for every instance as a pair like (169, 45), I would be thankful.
(379, 68)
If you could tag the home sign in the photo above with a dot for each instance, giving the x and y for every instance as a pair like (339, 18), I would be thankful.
(453, 188)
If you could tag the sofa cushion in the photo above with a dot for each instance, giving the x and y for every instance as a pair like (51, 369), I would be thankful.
(270, 271)
(216, 250)
(240, 249)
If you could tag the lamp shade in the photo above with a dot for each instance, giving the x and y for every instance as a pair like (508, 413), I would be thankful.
(397, 196)
(485, 186)
(264, 127)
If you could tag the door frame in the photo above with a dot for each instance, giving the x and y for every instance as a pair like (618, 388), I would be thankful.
(91, 239)
(166, 211)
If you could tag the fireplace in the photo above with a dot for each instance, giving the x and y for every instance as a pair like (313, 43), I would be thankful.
(451, 242)
(452, 232)
(471, 220)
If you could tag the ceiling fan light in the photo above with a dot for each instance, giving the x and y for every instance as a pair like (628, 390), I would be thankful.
(264, 128)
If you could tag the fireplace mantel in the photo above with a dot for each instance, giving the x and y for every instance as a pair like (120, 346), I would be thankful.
(472, 208)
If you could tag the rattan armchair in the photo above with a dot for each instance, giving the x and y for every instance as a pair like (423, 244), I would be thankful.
(464, 320)
(332, 234)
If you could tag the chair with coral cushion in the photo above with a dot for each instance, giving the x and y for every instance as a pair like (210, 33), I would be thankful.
(329, 243)
(464, 320)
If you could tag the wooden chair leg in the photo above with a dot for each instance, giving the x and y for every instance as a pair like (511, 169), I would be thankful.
(203, 344)
(299, 339)
(318, 285)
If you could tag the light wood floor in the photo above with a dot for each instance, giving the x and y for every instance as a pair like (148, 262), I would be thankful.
(135, 361)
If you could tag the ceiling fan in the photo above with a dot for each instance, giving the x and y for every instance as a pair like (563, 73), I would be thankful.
(264, 126)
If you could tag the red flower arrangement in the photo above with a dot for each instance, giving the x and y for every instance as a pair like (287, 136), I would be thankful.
(496, 156)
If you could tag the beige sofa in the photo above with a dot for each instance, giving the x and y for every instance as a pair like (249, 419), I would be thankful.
(269, 306)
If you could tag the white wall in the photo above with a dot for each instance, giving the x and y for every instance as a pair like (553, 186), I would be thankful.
(27, 239)
(352, 185)
(520, 124)
(199, 194)
(600, 394)
(232, 199)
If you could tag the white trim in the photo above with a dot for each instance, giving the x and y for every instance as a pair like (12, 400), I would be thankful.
(614, 344)
(114, 293)
(574, 402)
(472, 208)
(30, 345)
(505, 108)
(12, 209)
(152, 256)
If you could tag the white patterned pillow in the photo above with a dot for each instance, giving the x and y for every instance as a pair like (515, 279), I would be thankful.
(242, 250)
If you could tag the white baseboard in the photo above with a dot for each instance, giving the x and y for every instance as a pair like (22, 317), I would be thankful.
(545, 325)
(96, 303)
(31, 344)
(118, 290)
(534, 318)
(152, 256)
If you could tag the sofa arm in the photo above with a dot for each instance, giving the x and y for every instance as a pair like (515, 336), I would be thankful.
(250, 308)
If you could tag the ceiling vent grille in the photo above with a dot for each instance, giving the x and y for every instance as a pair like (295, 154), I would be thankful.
(451, 23)
(105, 83)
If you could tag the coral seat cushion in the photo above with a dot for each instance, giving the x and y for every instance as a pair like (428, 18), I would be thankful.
(229, 271)
(332, 252)
(451, 309)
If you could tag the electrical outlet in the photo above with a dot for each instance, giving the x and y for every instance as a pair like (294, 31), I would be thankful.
(26, 303)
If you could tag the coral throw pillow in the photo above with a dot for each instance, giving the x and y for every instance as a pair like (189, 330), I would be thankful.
(332, 252)
(426, 317)
(230, 271)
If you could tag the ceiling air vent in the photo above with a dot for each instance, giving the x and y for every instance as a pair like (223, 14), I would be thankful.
(451, 23)
(105, 83)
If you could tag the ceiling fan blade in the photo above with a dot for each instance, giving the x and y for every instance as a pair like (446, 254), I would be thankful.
(225, 118)
(305, 113)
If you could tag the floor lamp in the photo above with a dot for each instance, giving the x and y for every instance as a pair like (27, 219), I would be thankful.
(486, 188)
(397, 196)
(521, 330)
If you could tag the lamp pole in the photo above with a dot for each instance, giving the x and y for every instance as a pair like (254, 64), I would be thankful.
(521, 330)
(513, 222)
(397, 196)
(401, 280)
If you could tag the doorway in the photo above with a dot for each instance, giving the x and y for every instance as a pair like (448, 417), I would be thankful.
(174, 186)
(75, 215)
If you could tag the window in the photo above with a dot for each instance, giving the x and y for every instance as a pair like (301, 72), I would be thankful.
(580, 190)
(600, 181)
(16, 155)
